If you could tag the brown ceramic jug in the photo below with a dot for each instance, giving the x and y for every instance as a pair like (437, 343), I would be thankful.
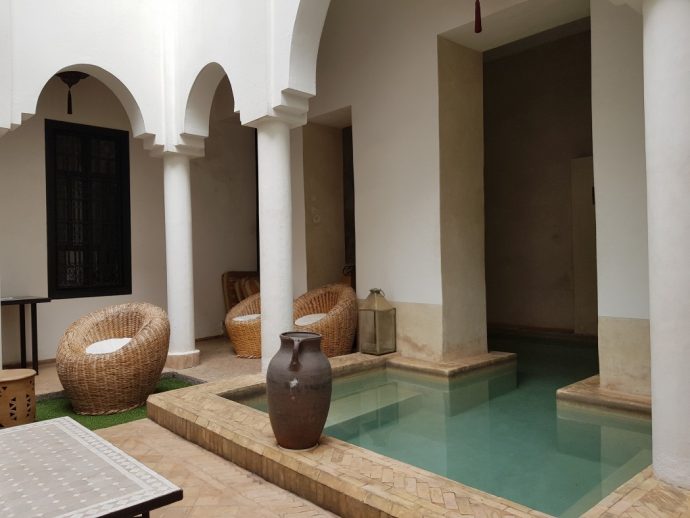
(298, 386)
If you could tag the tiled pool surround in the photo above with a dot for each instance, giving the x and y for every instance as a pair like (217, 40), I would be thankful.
(346, 479)
(338, 476)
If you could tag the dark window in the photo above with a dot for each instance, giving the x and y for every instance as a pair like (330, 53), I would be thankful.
(87, 189)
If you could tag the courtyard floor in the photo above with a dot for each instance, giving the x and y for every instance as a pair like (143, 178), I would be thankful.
(213, 486)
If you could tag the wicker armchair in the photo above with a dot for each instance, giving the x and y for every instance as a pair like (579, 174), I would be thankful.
(237, 286)
(116, 381)
(338, 325)
(245, 334)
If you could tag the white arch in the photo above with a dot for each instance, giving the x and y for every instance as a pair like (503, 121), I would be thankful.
(120, 90)
(304, 45)
(200, 97)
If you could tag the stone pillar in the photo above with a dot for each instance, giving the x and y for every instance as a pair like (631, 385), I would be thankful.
(178, 255)
(667, 138)
(275, 234)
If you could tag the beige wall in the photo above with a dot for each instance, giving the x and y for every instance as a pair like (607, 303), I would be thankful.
(624, 355)
(223, 198)
(299, 245)
(537, 118)
(418, 333)
(462, 200)
(584, 248)
(323, 204)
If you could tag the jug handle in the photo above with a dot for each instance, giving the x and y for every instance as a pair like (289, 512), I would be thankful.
(294, 362)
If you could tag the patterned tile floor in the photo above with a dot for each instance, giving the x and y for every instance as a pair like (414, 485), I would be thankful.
(643, 496)
(213, 487)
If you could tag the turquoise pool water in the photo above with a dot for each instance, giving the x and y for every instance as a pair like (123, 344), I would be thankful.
(500, 430)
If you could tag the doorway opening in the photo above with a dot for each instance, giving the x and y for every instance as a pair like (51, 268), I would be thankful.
(329, 198)
(518, 247)
(540, 232)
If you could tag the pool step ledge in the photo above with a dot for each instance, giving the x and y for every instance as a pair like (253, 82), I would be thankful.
(453, 368)
(589, 392)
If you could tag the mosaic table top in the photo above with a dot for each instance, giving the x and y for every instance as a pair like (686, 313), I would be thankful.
(58, 468)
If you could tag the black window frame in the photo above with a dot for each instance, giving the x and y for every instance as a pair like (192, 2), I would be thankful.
(121, 139)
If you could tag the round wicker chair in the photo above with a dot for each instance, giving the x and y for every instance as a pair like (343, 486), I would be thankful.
(245, 335)
(338, 326)
(108, 383)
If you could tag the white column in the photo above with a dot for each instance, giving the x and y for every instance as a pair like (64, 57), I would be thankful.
(178, 255)
(667, 136)
(275, 235)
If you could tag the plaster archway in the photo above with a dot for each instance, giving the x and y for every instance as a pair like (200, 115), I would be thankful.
(121, 92)
(304, 45)
(200, 98)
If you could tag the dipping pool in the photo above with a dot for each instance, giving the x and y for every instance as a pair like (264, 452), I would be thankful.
(498, 430)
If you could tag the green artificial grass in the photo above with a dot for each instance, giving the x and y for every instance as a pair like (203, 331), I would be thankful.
(60, 407)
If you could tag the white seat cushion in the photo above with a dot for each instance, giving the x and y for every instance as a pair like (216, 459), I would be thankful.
(107, 346)
(247, 318)
(308, 320)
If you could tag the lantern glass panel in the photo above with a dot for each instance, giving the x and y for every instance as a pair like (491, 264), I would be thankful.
(385, 331)
(376, 324)
(367, 331)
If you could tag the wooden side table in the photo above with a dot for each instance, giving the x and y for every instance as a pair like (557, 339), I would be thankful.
(17, 397)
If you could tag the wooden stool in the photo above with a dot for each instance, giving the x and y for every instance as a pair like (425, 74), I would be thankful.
(17, 397)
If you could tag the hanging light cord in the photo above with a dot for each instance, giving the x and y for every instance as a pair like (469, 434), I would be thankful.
(71, 79)
(477, 17)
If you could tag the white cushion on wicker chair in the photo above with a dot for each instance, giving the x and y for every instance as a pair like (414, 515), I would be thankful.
(308, 320)
(107, 346)
(247, 318)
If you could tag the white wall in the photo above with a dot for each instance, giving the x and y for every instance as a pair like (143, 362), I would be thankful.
(23, 263)
(117, 36)
(223, 206)
(621, 197)
(150, 54)
(619, 160)
(380, 58)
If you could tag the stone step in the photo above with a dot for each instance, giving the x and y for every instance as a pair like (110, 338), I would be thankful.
(352, 406)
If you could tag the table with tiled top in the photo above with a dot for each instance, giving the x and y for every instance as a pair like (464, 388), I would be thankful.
(59, 468)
